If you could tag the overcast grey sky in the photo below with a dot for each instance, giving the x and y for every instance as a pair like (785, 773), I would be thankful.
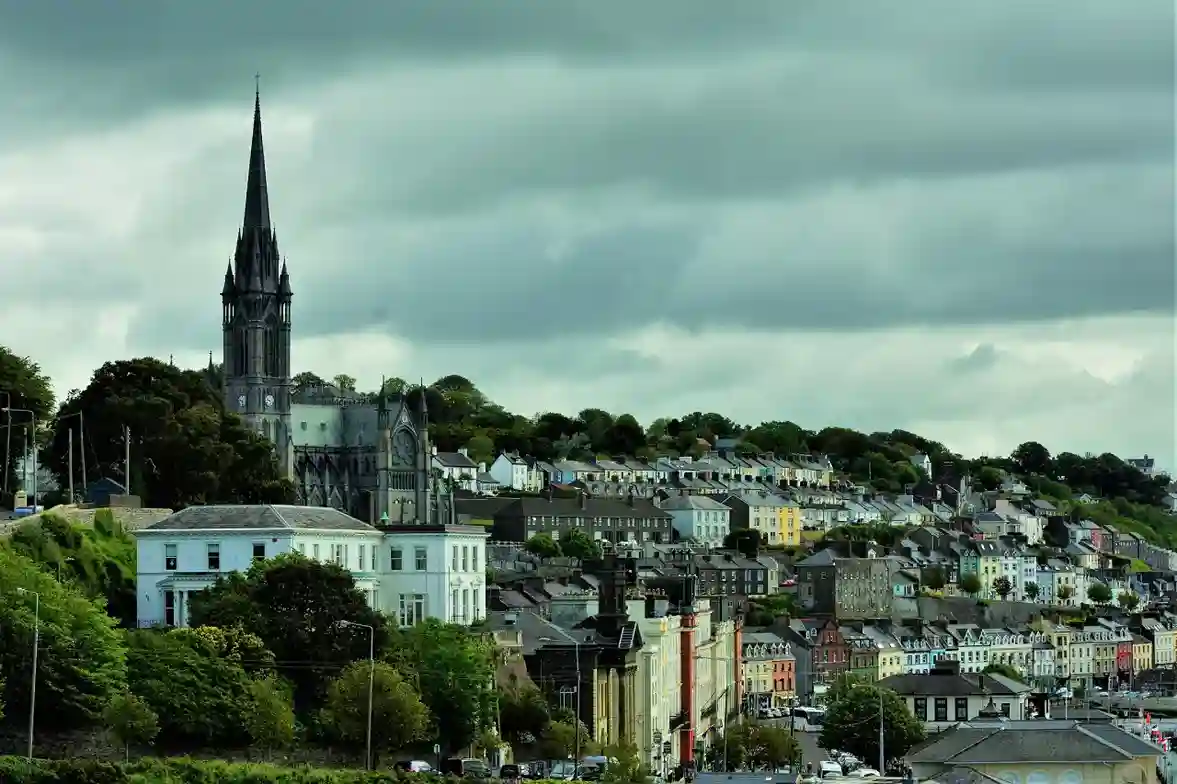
(952, 217)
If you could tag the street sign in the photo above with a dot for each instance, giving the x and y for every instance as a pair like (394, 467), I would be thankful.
(657, 737)
(666, 747)
(437, 748)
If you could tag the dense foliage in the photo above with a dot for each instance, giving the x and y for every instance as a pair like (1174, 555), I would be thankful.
(852, 721)
(23, 387)
(294, 606)
(98, 559)
(18, 770)
(752, 746)
(81, 658)
(185, 447)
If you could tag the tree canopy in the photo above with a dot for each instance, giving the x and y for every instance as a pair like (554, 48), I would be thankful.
(398, 716)
(81, 658)
(99, 560)
(185, 448)
(851, 724)
(22, 386)
(454, 672)
(295, 605)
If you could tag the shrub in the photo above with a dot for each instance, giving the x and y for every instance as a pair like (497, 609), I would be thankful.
(17, 770)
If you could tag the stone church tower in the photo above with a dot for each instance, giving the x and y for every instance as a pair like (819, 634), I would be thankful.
(255, 316)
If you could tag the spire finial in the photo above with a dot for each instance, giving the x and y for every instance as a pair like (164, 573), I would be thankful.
(257, 87)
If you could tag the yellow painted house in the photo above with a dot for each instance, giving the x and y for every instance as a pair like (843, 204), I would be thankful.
(790, 524)
(1141, 653)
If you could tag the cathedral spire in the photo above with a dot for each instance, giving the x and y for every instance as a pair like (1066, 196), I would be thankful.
(257, 199)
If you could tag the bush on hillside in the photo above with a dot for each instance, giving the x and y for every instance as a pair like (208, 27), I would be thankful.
(17, 770)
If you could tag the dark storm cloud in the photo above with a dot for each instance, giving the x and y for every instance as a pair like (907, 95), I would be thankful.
(451, 122)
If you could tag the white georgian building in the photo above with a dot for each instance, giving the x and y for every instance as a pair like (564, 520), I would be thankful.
(699, 518)
(409, 572)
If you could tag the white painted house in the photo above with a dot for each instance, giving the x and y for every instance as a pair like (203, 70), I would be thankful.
(515, 472)
(699, 517)
(409, 572)
(457, 468)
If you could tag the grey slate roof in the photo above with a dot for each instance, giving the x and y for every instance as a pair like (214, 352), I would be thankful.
(936, 684)
(701, 502)
(454, 460)
(259, 516)
(981, 743)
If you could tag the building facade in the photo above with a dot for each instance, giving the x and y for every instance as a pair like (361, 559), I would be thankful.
(408, 572)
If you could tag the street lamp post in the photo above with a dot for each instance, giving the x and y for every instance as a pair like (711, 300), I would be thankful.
(36, 645)
(371, 682)
(33, 416)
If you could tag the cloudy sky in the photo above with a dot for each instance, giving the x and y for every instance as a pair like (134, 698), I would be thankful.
(951, 217)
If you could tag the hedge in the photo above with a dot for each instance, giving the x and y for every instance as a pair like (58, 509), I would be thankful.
(18, 770)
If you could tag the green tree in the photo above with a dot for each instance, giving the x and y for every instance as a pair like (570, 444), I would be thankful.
(454, 671)
(22, 386)
(270, 721)
(345, 382)
(543, 545)
(523, 714)
(575, 543)
(1033, 458)
(130, 721)
(772, 746)
(1099, 593)
(624, 766)
(1031, 590)
(1065, 592)
(846, 718)
(1007, 671)
(481, 448)
(559, 740)
(295, 605)
(185, 448)
(81, 662)
(1002, 586)
(1128, 600)
(398, 716)
(98, 559)
(305, 381)
(747, 541)
(934, 578)
(200, 695)
(970, 584)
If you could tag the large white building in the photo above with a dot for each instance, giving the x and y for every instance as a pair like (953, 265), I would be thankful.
(409, 572)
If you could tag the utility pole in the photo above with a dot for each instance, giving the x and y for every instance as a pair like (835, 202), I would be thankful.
(82, 446)
(127, 460)
(71, 466)
(882, 766)
(7, 439)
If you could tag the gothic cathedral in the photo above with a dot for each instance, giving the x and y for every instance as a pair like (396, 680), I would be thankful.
(370, 458)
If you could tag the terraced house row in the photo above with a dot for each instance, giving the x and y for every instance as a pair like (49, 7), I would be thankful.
(1100, 652)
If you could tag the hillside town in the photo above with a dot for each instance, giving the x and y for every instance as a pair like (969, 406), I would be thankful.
(239, 572)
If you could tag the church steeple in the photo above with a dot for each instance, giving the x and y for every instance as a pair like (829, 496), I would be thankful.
(257, 199)
(255, 301)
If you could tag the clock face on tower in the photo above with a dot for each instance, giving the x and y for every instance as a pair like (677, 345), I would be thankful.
(241, 401)
(269, 401)
(402, 448)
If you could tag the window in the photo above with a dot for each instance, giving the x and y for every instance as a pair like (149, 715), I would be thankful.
(395, 560)
(337, 553)
(412, 609)
(454, 605)
(422, 561)
(169, 608)
(259, 551)
(465, 559)
(214, 556)
(921, 708)
(962, 708)
(474, 558)
(1005, 709)
(454, 558)
(169, 557)
(302, 548)
(363, 554)
(315, 551)
(941, 709)
(466, 605)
